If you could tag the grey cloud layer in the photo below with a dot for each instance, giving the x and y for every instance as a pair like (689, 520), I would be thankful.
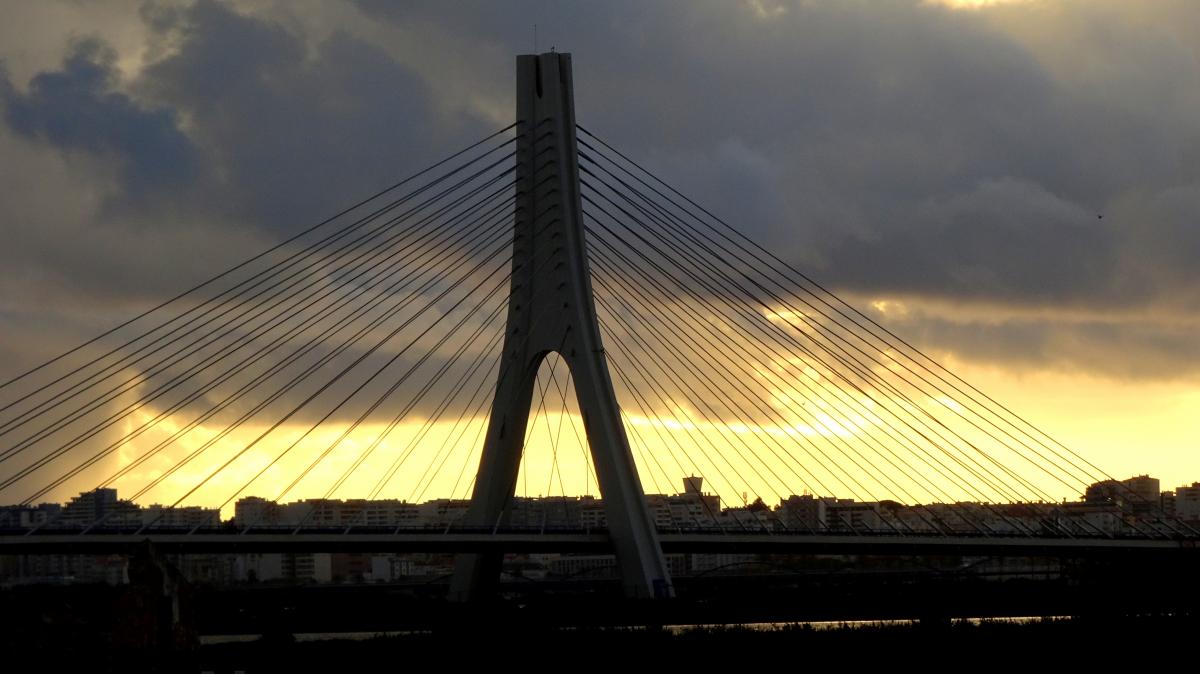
(894, 148)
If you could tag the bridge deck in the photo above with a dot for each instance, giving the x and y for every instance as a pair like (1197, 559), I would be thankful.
(433, 540)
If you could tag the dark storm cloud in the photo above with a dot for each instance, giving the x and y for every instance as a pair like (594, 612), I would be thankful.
(296, 135)
(1123, 350)
(239, 134)
(893, 148)
(77, 109)
(1014, 239)
(240, 125)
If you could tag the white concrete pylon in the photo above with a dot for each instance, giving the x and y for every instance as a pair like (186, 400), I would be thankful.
(551, 310)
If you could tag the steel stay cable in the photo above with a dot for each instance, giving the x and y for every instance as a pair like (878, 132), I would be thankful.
(564, 410)
(303, 375)
(646, 413)
(554, 469)
(925, 455)
(734, 382)
(470, 370)
(225, 376)
(880, 448)
(387, 394)
(829, 432)
(865, 372)
(669, 402)
(828, 293)
(476, 441)
(637, 442)
(524, 340)
(544, 227)
(232, 371)
(413, 441)
(338, 442)
(257, 279)
(587, 464)
(825, 314)
(398, 383)
(320, 363)
(687, 289)
(171, 384)
(741, 271)
(655, 425)
(116, 391)
(855, 311)
(541, 262)
(449, 447)
(545, 414)
(112, 419)
(609, 269)
(851, 450)
(725, 375)
(831, 369)
(421, 485)
(503, 370)
(392, 471)
(136, 380)
(430, 422)
(404, 301)
(791, 338)
(257, 257)
(359, 359)
(840, 301)
(683, 385)
(889, 430)
(476, 403)
(538, 267)
(404, 281)
(352, 365)
(644, 451)
(395, 421)
(562, 486)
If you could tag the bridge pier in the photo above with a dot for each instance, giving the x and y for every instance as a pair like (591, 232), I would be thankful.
(153, 613)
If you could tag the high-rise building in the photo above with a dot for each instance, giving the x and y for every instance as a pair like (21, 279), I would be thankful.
(99, 506)
(1139, 496)
(1187, 502)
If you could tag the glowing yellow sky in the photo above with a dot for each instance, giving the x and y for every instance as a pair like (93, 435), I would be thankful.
(975, 4)
(1123, 427)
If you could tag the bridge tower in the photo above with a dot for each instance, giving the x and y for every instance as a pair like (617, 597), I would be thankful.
(551, 310)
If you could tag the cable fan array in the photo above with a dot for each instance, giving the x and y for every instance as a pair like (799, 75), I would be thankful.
(357, 359)
(387, 314)
(739, 367)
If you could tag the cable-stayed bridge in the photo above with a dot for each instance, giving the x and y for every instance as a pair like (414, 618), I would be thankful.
(426, 342)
